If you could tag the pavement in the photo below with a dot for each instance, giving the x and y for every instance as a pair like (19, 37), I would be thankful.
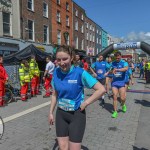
(27, 128)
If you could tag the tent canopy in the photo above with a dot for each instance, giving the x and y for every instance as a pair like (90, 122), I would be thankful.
(26, 53)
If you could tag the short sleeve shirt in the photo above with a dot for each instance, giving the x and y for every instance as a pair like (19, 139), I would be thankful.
(50, 67)
(87, 80)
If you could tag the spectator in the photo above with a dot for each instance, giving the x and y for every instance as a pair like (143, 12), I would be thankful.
(48, 74)
(3, 80)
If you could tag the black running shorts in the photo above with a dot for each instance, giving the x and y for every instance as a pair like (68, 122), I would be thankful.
(70, 123)
(102, 81)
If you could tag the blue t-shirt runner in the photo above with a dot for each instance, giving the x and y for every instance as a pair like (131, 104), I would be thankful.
(100, 69)
(70, 87)
(119, 77)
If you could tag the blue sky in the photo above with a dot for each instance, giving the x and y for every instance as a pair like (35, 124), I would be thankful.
(120, 18)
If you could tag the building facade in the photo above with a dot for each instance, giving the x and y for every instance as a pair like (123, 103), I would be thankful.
(78, 27)
(110, 40)
(36, 21)
(10, 27)
(98, 39)
(48, 23)
(62, 30)
(104, 39)
(90, 27)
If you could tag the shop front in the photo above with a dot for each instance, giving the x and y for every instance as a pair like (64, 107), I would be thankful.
(8, 48)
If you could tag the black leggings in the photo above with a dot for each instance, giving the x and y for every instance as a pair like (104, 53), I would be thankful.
(70, 123)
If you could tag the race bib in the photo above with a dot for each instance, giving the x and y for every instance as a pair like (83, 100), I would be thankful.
(100, 71)
(66, 104)
(118, 74)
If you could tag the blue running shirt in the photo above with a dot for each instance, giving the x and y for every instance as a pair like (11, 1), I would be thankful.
(100, 68)
(70, 87)
(119, 77)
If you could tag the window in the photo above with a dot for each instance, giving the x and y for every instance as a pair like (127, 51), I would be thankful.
(58, 16)
(90, 27)
(58, 2)
(82, 29)
(97, 41)
(31, 29)
(87, 36)
(6, 23)
(97, 51)
(82, 44)
(87, 48)
(82, 17)
(76, 25)
(76, 42)
(45, 34)
(76, 12)
(45, 10)
(67, 21)
(67, 39)
(93, 38)
(30, 5)
(58, 37)
(67, 6)
(90, 37)
(87, 25)
(97, 31)
(93, 29)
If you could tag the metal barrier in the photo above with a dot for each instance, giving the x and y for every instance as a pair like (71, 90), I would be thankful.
(13, 75)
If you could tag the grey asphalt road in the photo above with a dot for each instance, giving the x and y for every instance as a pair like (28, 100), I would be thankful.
(27, 127)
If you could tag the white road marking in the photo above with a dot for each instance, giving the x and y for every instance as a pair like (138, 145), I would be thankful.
(25, 112)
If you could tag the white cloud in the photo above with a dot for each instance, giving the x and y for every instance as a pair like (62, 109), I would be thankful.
(138, 37)
(147, 34)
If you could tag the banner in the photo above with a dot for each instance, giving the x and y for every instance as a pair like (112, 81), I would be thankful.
(129, 45)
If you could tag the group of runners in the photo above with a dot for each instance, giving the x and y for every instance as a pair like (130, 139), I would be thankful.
(68, 82)
(115, 75)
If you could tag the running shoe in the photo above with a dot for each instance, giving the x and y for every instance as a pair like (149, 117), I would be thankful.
(115, 114)
(129, 88)
(124, 108)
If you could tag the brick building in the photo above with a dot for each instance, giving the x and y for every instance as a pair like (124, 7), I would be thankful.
(90, 28)
(62, 22)
(78, 26)
(36, 20)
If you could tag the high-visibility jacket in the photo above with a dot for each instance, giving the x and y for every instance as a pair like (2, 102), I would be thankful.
(147, 66)
(34, 69)
(24, 74)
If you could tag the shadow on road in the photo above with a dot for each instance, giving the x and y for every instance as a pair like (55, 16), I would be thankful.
(108, 107)
(147, 86)
(55, 145)
(142, 102)
(57, 148)
(140, 82)
(84, 148)
(136, 148)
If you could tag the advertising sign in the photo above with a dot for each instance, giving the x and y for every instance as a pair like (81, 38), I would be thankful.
(129, 45)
